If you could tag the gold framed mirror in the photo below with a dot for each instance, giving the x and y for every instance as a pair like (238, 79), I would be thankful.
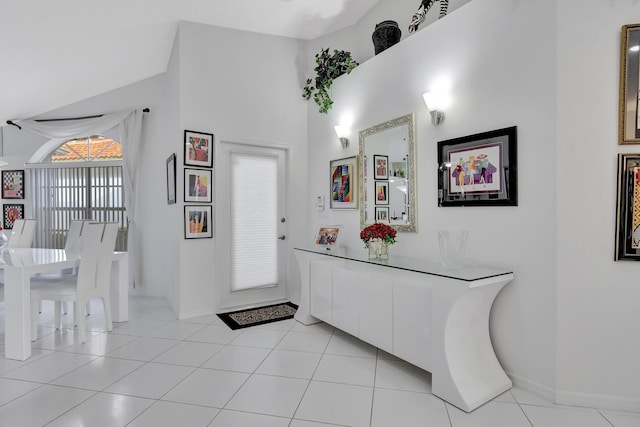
(629, 122)
(387, 174)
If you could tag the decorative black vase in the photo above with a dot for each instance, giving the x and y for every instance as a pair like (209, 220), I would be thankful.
(386, 34)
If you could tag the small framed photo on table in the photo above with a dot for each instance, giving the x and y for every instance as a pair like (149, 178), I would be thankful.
(327, 236)
(198, 222)
(197, 185)
(198, 149)
(13, 184)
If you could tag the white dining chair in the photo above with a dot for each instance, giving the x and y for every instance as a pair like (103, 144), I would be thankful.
(92, 281)
(73, 242)
(22, 234)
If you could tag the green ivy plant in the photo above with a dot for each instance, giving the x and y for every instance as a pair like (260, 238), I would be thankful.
(328, 68)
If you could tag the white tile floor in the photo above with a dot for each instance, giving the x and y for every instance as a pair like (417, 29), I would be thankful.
(157, 371)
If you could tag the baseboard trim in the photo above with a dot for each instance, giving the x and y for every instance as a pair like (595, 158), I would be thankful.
(600, 401)
(542, 391)
(570, 398)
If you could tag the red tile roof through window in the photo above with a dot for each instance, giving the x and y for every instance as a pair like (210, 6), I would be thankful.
(96, 147)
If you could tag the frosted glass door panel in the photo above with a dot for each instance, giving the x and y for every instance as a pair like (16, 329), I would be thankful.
(254, 219)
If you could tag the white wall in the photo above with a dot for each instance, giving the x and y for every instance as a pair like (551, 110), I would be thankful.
(566, 327)
(598, 299)
(502, 70)
(242, 87)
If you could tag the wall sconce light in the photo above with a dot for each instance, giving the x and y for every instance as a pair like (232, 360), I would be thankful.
(434, 105)
(342, 132)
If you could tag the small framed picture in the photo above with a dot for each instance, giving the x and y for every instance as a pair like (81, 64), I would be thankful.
(13, 184)
(198, 148)
(327, 236)
(382, 214)
(198, 222)
(11, 214)
(380, 166)
(382, 193)
(171, 179)
(344, 183)
(197, 185)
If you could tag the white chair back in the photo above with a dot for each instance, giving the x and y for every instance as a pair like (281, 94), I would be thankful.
(74, 235)
(107, 246)
(22, 233)
(88, 268)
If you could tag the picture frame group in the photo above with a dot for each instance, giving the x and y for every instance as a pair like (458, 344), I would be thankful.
(479, 169)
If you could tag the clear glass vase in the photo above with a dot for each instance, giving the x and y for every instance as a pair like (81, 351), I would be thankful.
(378, 249)
(453, 245)
(3, 239)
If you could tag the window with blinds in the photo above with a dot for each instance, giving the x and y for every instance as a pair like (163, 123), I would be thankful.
(82, 179)
(60, 195)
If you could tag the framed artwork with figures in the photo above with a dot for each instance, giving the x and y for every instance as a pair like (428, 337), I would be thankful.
(198, 149)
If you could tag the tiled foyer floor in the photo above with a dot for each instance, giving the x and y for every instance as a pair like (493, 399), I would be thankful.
(157, 371)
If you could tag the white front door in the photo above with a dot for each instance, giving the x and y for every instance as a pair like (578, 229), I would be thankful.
(251, 238)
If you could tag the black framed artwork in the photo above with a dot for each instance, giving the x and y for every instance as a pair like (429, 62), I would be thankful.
(479, 169)
(198, 221)
(13, 184)
(198, 149)
(11, 213)
(628, 208)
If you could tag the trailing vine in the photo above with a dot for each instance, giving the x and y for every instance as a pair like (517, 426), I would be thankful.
(328, 67)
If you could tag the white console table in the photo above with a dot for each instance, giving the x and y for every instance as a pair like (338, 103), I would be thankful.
(434, 318)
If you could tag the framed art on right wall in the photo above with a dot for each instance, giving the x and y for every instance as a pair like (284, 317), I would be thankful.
(479, 170)
(629, 115)
(628, 208)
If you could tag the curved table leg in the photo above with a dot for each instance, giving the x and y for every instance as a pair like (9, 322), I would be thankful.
(466, 372)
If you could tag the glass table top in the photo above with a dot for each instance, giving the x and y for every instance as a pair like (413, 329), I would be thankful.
(467, 272)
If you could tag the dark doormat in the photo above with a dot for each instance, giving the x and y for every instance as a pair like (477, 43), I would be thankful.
(259, 315)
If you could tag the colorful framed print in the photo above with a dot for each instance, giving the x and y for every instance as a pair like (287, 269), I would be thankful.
(629, 113)
(327, 236)
(628, 208)
(171, 179)
(380, 167)
(197, 185)
(382, 192)
(479, 170)
(198, 221)
(13, 184)
(198, 149)
(11, 214)
(382, 214)
(344, 183)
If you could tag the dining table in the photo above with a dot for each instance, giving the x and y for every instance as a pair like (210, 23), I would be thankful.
(19, 265)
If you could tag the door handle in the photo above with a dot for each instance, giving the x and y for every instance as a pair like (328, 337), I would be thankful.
(283, 237)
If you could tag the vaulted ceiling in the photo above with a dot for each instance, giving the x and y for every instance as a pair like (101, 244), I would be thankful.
(58, 52)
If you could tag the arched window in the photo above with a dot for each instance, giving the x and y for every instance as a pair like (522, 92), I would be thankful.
(80, 179)
(93, 148)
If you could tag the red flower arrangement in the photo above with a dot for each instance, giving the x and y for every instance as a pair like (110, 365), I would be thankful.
(380, 231)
